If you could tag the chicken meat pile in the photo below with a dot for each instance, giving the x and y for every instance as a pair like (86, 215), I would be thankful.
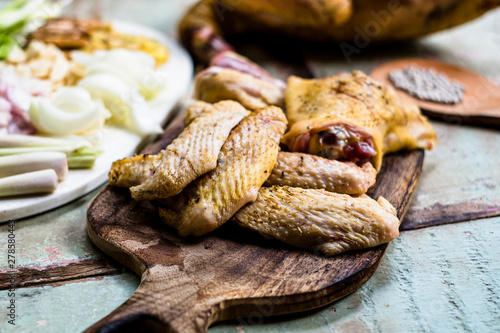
(299, 177)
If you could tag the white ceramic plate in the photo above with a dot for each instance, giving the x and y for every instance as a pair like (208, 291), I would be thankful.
(116, 143)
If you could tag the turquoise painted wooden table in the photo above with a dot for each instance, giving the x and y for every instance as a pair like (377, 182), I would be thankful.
(444, 278)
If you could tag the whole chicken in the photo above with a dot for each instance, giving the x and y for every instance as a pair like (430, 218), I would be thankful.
(354, 22)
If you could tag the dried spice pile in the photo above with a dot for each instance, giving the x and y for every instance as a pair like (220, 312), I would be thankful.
(427, 84)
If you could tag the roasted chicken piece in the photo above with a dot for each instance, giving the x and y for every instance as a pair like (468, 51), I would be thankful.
(230, 59)
(236, 78)
(316, 219)
(192, 154)
(244, 163)
(310, 171)
(195, 110)
(352, 117)
(354, 22)
(132, 171)
(216, 84)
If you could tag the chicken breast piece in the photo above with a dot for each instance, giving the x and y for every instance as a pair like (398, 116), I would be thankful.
(310, 171)
(316, 219)
(192, 154)
(244, 163)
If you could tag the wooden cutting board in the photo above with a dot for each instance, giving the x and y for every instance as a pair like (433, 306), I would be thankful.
(232, 273)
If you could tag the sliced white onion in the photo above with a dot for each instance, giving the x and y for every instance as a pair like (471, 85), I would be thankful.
(133, 67)
(70, 111)
(127, 106)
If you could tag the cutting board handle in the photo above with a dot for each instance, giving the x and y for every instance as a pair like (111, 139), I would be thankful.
(160, 305)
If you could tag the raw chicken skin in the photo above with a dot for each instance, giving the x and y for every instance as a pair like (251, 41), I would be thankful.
(192, 154)
(310, 171)
(316, 219)
(244, 163)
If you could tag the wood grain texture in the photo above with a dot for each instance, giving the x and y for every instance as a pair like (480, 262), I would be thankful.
(29, 276)
(187, 284)
(461, 178)
(424, 283)
(439, 214)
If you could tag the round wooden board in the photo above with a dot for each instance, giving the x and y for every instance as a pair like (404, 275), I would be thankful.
(481, 101)
(189, 283)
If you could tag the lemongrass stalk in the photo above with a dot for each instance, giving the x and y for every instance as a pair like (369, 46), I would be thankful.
(20, 140)
(36, 182)
(81, 162)
(22, 163)
(68, 149)
(83, 158)
(80, 152)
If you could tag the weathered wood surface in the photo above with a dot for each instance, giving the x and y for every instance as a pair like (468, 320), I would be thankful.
(68, 307)
(460, 180)
(34, 275)
(54, 246)
(426, 283)
(188, 284)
